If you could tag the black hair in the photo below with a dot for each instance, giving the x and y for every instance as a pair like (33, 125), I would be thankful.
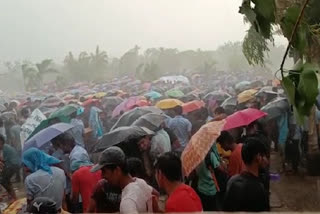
(251, 148)
(178, 110)
(219, 110)
(225, 138)
(65, 138)
(2, 139)
(170, 166)
(123, 167)
(135, 167)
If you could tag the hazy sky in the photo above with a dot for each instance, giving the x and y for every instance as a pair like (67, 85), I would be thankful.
(37, 29)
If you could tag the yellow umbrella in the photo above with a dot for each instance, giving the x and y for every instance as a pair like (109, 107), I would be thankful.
(200, 144)
(246, 95)
(100, 95)
(168, 103)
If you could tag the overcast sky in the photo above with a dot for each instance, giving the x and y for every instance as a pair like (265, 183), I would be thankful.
(37, 29)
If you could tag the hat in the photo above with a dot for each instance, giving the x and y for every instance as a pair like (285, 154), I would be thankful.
(43, 205)
(111, 156)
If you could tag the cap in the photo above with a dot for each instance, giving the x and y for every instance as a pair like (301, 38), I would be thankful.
(43, 205)
(110, 156)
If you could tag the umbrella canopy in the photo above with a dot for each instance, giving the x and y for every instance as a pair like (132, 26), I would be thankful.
(153, 95)
(243, 118)
(119, 135)
(110, 103)
(199, 145)
(90, 101)
(129, 117)
(174, 93)
(246, 95)
(151, 121)
(244, 85)
(168, 103)
(276, 108)
(2, 108)
(128, 104)
(52, 101)
(100, 95)
(65, 111)
(45, 135)
(217, 95)
(192, 106)
(231, 101)
(266, 90)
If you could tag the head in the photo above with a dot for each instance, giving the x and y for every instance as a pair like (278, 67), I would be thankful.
(2, 141)
(168, 169)
(66, 142)
(219, 110)
(25, 113)
(226, 141)
(73, 115)
(113, 165)
(254, 153)
(177, 110)
(252, 128)
(145, 143)
(135, 167)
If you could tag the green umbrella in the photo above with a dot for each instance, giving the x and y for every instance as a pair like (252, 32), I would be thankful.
(65, 111)
(174, 93)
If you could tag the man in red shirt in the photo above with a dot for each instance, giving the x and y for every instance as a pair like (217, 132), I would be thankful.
(182, 198)
(83, 183)
(236, 165)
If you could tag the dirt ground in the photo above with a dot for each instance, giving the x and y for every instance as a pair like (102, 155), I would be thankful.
(293, 192)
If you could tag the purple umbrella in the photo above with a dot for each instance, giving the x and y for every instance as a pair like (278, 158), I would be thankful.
(45, 135)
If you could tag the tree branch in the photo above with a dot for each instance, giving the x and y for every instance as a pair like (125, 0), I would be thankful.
(292, 35)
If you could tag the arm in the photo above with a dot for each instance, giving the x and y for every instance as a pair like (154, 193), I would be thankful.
(75, 188)
(92, 206)
(64, 203)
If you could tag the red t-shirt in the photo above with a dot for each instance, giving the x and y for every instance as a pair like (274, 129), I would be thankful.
(236, 165)
(183, 199)
(83, 182)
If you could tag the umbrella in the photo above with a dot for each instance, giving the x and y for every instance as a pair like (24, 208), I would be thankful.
(52, 101)
(276, 108)
(199, 145)
(244, 85)
(90, 101)
(231, 101)
(266, 90)
(100, 95)
(45, 135)
(129, 117)
(168, 103)
(192, 106)
(217, 95)
(8, 115)
(174, 93)
(189, 97)
(153, 95)
(2, 108)
(243, 118)
(110, 103)
(246, 95)
(119, 135)
(65, 111)
(151, 121)
(128, 104)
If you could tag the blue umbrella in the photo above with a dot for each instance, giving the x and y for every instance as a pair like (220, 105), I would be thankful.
(153, 95)
(44, 136)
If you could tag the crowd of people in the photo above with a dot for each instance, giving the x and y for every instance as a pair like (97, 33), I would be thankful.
(143, 172)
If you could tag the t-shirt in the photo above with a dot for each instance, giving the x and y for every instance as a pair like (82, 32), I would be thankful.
(183, 199)
(236, 165)
(246, 193)
(136, 197)
(83, 182)
(107, 197)
(43, 184)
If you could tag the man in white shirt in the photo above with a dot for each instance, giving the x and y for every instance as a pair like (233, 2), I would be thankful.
(136, 193)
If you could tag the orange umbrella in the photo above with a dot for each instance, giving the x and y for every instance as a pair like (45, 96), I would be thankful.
(200, 144)
(192, 106)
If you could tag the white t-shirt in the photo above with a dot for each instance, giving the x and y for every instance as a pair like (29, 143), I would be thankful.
(136, 197)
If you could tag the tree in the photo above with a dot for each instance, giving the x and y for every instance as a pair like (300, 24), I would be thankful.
(99, 62)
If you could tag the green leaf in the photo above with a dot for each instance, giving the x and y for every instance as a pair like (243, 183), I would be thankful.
(290, 89)
(246, 10)
(266, 9)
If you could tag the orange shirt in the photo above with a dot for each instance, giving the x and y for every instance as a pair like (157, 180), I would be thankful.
(236, 165)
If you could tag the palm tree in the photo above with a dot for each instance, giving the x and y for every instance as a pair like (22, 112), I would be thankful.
(99, 62)
(44, 67)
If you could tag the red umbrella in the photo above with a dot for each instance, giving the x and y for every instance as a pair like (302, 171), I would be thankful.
(243, 118)
(192, 106)
(129, 104)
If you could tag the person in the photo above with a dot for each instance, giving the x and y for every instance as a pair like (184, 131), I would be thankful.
(219, 114)
(95, 122)
(3, 129)
(77, 154)
(136, 194)
(14, 135)
(236, 165)
(182, 198)
(181, 127)
(246, 192)
(44, 205)
(83, 183)
(105, 197)
(10, 162)
(43, 179)
(78, 130)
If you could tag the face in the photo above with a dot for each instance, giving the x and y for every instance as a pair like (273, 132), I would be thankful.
(159, 178)
(144, 143)
(112, 176)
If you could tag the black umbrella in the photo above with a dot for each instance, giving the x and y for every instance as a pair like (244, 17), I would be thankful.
(151, 121)
(119, 135)
(129, 117)
(110, 103)
(231, 101)
(217, 95)
(276, 108)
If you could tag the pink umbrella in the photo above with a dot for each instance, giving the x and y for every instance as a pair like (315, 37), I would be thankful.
(128, 104)
(243, 118)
